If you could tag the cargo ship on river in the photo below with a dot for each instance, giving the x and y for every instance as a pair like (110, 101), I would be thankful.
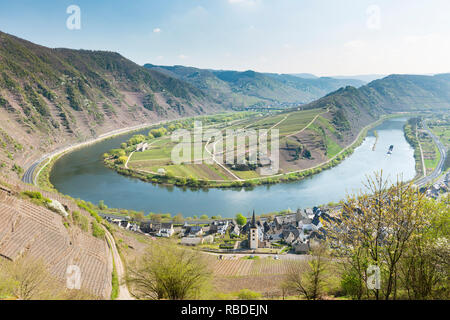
(390, 149)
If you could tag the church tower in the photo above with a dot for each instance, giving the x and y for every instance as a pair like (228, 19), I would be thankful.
(253, 234)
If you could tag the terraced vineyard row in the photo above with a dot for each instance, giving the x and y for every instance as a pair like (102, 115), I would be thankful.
(263, 266)
(39, 232)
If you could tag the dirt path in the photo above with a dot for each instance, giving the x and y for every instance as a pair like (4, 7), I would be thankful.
(124, 294)
(129, 157)
(213, 156)
(307, 126)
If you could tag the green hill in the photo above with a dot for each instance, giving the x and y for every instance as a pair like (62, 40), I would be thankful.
(395, 93)
(250, 88)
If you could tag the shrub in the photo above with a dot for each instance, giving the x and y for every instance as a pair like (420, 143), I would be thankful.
(97, 230)
(246, 294)
(80, 220)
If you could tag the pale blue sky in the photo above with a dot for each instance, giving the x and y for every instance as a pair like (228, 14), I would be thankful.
(324, 37)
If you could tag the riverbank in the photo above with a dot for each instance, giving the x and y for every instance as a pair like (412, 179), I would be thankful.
(82, 174)
(293, 176)
(46, 162)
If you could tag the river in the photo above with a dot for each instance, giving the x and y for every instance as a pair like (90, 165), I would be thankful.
(81, 174)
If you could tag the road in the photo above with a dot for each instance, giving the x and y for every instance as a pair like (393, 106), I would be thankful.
(124, 294)
(28, 175)
(438, 170)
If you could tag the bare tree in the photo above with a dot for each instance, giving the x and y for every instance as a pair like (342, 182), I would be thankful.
(27, 278)
(308, 278)
(167, 271)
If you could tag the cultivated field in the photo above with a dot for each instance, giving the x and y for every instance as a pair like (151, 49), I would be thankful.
(253, 267)
(30, 229)
(307, 138)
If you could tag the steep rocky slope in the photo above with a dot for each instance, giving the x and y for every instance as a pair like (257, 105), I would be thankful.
(51, 96)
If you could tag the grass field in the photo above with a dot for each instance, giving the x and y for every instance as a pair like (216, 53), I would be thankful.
(332, 147)
(442, 131)
(432, 163)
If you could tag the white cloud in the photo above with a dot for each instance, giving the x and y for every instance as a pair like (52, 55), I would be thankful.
(156, 30)
(182, 56)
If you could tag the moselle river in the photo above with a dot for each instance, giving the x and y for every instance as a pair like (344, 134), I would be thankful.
(81, 174)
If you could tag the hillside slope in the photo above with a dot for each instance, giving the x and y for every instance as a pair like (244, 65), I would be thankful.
(51, 96)
(354, 108)
(250, 88)
(28, 228)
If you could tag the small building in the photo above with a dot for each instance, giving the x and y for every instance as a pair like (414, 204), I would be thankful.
(284, 220)
(161, 171)
(219, 227)
(235, 231)
(301, 248)
(124, 224)
(194, 231)
(141, 147)
(309, 213)
(191, 241)
(166, 230)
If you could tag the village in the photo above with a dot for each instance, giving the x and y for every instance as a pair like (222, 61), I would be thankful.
(293, 233)
(440, 187)
(288, 233)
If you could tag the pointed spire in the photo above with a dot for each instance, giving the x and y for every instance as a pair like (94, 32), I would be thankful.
(253, 220)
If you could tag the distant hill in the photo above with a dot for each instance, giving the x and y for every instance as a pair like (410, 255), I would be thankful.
(250, 88)
(305, 75)
(362, 77)
(395, 93)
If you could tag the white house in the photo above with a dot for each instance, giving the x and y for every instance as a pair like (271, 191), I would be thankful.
(166, 230)
(142, 147)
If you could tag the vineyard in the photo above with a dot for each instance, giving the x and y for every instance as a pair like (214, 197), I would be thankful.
(257, 267)
(34, 230)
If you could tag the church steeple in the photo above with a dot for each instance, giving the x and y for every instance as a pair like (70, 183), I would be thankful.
(253, 236)
(253, 225)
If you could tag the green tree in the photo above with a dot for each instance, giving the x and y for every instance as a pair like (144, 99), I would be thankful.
(102, 205)
(240, 219)
(122, 160)
(178, 218)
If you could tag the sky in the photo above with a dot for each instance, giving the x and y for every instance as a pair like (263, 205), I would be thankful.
(323, 37)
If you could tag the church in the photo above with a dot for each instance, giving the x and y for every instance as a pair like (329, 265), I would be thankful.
(255, 234)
